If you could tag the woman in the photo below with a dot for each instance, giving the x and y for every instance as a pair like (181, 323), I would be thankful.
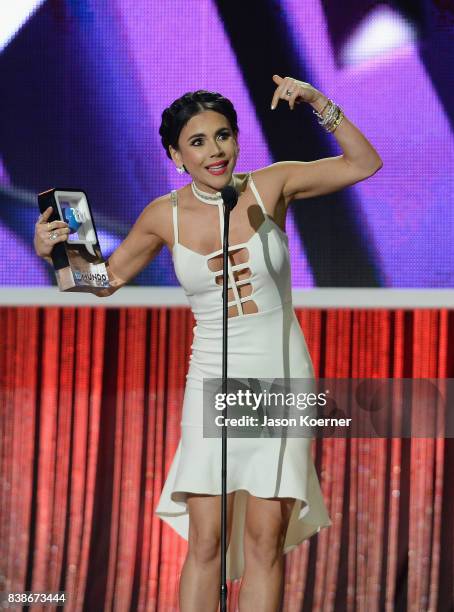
(274, 497)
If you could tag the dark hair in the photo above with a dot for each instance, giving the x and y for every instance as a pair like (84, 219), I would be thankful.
(175, 117)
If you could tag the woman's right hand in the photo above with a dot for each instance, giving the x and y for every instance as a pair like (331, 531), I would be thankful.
(42, 241)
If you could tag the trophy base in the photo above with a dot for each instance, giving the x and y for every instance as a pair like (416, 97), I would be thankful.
(93, 278)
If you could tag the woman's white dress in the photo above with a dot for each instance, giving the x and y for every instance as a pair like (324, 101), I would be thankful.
(267, 344)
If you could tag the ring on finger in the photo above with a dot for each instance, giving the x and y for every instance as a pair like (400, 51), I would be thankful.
(53, 235)
(288, 92)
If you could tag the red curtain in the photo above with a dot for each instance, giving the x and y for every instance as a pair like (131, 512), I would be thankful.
(89, 422)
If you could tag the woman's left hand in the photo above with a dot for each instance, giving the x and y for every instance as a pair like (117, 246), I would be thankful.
(293, 91)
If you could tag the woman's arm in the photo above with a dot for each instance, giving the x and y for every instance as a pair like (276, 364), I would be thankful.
(136, 251)
(358, 161)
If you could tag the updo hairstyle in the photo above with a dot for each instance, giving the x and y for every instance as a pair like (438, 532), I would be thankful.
(175, 117)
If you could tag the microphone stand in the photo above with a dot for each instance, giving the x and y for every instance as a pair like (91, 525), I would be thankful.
(225, 292)
(230, 198)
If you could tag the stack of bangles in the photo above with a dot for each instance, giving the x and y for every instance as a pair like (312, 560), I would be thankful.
(330, 119)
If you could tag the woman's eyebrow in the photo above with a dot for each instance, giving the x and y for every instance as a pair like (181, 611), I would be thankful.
(201, 134)
(195, 136)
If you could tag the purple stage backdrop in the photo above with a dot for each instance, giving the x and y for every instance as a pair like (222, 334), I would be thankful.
(85, 83)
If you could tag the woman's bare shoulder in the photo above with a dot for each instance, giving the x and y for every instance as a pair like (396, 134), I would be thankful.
(269, 183)
(156, 217)
(159, 204)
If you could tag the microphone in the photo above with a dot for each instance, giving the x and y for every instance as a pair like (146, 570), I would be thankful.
(230, 197)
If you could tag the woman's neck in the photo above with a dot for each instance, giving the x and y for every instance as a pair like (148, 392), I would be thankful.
(213, 197)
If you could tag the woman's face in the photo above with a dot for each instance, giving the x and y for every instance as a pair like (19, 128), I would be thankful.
(208, 149)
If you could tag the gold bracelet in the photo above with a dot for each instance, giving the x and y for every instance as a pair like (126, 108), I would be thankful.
(333, 118)
(337, 122)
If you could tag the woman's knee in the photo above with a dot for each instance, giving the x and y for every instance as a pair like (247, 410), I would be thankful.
(264, 547)
(265, 530)
(205, 527)
(204, 545)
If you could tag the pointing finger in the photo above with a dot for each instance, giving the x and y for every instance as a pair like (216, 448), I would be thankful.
(280, 94)
(278, 80)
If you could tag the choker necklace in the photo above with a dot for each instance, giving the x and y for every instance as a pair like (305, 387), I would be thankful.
(209, 198)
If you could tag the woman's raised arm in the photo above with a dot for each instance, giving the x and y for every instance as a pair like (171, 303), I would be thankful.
(358, 161)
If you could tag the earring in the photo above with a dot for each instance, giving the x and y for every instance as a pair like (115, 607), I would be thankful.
(180, 169)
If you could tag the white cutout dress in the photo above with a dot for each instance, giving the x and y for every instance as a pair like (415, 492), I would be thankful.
(265, 344)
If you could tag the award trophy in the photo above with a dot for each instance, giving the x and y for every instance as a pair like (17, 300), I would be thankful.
(78, 263)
